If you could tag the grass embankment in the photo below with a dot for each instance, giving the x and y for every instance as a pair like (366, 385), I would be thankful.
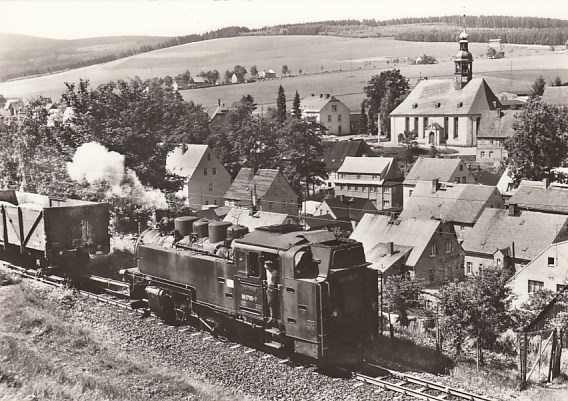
(44, 358)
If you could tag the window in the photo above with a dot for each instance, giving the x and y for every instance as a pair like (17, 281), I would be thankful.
(215, 202)
(208, 156)
(477, 122)
(425, 122)
(461, 167)
(446, 127)
(371, 189)
(334, 108)
(339, 129)
(386, 203)
(204, 171)
(433, 250)
(363, 189)
(211, 186)
(410, 192)
(339, 118)
(464, 180)
(498, 262)
(551, 261)
(482, 155)
(387, 190)
(329, 118)
(535, 286)
(416, 124)
(414, 105)
(490, 154)
(468, 266)
(356, 188)
(343, 187)
(349, 187)
(214, 171)
(560, 287)
(270, 205)
(457, 180)
(206, 202)
(449, 246)
(456, 127)
(407, 123)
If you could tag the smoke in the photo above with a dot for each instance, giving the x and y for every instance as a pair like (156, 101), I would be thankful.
(96, 164)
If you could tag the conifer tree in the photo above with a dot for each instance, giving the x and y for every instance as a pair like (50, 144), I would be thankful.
(281, 105)
(296, 106)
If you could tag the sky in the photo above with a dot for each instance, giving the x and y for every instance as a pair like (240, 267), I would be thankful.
(74, 19)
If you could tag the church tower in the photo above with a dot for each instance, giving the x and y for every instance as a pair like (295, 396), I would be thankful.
(463, 61)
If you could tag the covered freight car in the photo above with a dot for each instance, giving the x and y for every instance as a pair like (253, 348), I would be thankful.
(51, 230)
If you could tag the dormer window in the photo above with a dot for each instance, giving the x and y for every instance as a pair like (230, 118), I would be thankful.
(460, 105)
(414, 105)
(437, 105)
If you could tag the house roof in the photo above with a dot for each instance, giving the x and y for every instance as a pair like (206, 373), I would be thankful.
(440, 97)
(366, 165)
(381, 259)
(247, 181)
(461, 203)
(184, 159)
(551, 199)
(349, 208)
(214, 213)
(334, 153)
(198, 80)
(497, 123)
(498, 85)
(315, 103)
(428, 169)
(556, 95)
(415, 233)
(326, 221)
(258, 219)
(531, 232)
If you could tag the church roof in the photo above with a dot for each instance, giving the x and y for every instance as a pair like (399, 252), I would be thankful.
(440, 97)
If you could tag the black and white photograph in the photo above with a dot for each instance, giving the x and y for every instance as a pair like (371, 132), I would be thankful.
(283, 200)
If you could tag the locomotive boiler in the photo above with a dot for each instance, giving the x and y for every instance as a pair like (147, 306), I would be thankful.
(326, 296)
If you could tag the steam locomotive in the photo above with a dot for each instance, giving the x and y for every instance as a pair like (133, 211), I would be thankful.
(213, 272)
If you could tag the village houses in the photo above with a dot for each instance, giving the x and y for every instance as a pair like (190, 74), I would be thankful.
(495, 128)
(264, 190)
(206, 179)
(443, 170)
(422, 248)
(328, 111)
(334, 154)
(377, 179)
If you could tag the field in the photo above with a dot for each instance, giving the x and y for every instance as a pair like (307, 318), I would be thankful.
(336, 65)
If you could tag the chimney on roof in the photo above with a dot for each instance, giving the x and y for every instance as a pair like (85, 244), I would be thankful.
(219, 102)
(321, 95)
(390, 248)
(512, 209)
(392, 218)
(498, 112)
(327, 95)
(435, 185)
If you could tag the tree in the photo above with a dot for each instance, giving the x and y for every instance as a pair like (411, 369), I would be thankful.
(388, 87)
(408, 139)
(254, 70)
(537, 88)
(363, 122)
(491, 52)
(477, 308)
(228, 76)
(540, 142)
(301, 153)
(240, 72)
(557, 81)
(281, 105)
(401, 294)
(296, 111)
(285, 70)
(2, 101)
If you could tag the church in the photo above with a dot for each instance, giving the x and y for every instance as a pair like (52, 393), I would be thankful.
(445, 111)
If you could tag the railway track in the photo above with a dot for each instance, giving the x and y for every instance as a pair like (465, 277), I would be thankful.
(412, 386)
(116, 291)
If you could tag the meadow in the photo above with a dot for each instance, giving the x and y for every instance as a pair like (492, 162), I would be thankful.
(329, 64)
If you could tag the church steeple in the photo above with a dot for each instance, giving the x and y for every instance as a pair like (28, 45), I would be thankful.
(464, 60)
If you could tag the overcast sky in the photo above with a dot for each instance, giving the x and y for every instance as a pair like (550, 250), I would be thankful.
(81, 19)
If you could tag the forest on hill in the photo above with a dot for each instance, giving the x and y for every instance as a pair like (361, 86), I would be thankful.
(517, 30)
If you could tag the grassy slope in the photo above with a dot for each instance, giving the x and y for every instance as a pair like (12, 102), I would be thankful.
(308, 53)
(42, 356)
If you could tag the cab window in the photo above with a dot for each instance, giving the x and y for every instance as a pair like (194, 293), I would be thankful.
(304, 265)
(253, 265)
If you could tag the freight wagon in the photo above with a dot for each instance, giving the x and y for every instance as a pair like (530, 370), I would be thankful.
(51, 231)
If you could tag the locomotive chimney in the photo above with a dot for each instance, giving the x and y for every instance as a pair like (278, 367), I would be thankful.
(390, 248)
(512, 209)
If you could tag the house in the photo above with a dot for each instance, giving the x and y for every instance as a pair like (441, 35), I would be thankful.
(254, 219)
(267, 74)
(328, 111)
(266, 190)
(207, 180)
(445, 112)
(511, 238)
(495, 128)
(549, 270)
(220, 115)
(555, 95)
(424, 248)
(199, 81)
(179, 84)
(443, 170)
(458, 205)
(345, 208)
(14, 106)
(234, 79)
(511, 101)
(541, 197)
(309, 207)
(334, 154)
(327, 222)
(377, 179)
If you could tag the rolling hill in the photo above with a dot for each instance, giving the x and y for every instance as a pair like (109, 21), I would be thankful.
(349, 62)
